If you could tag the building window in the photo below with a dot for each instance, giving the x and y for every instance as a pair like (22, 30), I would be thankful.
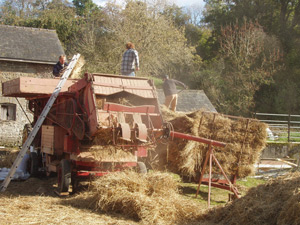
(7, 111)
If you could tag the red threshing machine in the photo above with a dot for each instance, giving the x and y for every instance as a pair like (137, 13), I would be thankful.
(123, 110)
(120, 108)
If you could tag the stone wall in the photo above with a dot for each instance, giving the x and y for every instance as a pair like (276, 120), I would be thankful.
(11, 134)
(11, 131)
(281, 150)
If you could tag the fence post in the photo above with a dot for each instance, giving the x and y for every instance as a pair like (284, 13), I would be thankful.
(289, 124)
(254, 115)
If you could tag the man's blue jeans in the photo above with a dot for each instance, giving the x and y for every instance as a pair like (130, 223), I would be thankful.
(130, 74)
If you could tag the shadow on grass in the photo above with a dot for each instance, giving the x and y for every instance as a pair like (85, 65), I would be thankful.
(190, 191)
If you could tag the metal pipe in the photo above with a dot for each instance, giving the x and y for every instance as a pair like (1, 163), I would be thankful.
(210, 172)
(23, 110)
(232, 188)
(289, 127)
(198, 139)
(203, 169)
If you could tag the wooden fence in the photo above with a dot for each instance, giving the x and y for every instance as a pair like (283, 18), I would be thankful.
(284, 127)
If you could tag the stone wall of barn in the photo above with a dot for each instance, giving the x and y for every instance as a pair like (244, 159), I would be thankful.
(12, 117)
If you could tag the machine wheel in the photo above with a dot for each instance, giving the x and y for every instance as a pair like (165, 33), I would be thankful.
(75, 184)
(33, 165)
(142, 167)
(64, 175)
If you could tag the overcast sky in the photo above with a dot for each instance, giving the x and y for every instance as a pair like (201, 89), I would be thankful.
(177, 2)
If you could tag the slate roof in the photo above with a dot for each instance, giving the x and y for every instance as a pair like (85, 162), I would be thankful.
(26, 44)
(190, 100)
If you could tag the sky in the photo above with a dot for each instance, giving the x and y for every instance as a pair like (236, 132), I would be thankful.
(181, 3)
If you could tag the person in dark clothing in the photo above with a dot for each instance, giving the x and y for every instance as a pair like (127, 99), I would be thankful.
(170, 92)
(60, 66)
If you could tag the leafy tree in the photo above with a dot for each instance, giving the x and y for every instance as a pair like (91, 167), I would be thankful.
(176, 14)
(57, 14)
(61, 18)
(277, 18)
(162, 47)
(247, 60)
(84, 7)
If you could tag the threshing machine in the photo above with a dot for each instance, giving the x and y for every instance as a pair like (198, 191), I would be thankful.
(88, 117)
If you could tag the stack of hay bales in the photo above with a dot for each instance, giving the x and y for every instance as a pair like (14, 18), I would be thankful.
(245, 139)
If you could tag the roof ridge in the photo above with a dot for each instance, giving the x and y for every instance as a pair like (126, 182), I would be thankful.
(32, 28)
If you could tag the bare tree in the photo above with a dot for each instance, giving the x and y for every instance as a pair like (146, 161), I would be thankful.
(250, 60)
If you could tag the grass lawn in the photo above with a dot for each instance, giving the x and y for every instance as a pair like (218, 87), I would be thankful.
(218, 196)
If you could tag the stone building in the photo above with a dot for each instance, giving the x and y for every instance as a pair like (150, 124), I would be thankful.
(27, 52)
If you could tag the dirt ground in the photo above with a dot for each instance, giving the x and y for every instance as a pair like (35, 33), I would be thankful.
(34, 202)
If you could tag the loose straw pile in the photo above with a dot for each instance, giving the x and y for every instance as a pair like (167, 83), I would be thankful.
(276, 202)
(151, 198)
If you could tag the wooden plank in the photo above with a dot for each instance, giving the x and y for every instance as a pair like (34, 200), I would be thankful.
(47, 137)
(23, 86)
(47, 134)
(48, 128)
(47, 150)
(59, 137)
(52, 168)
(47, 142)
(11, 86)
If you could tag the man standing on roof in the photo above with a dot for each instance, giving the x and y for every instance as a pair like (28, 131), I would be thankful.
(170, 92)
(130, 61)
(60, 66)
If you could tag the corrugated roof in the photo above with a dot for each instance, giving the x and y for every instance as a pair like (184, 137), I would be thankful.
(109, 84)
(29, 44)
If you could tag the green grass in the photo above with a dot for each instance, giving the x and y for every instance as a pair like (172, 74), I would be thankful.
(250, 182)
(218, 196)
(158, 82)
(284, 137)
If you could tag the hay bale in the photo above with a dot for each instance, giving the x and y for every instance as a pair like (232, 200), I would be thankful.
(276, 202)
(245, 140)
(77, 70)
(102, 149)
(152, 198)
(168, 114)
(8, 157)
(106, 153)
(290, 210)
